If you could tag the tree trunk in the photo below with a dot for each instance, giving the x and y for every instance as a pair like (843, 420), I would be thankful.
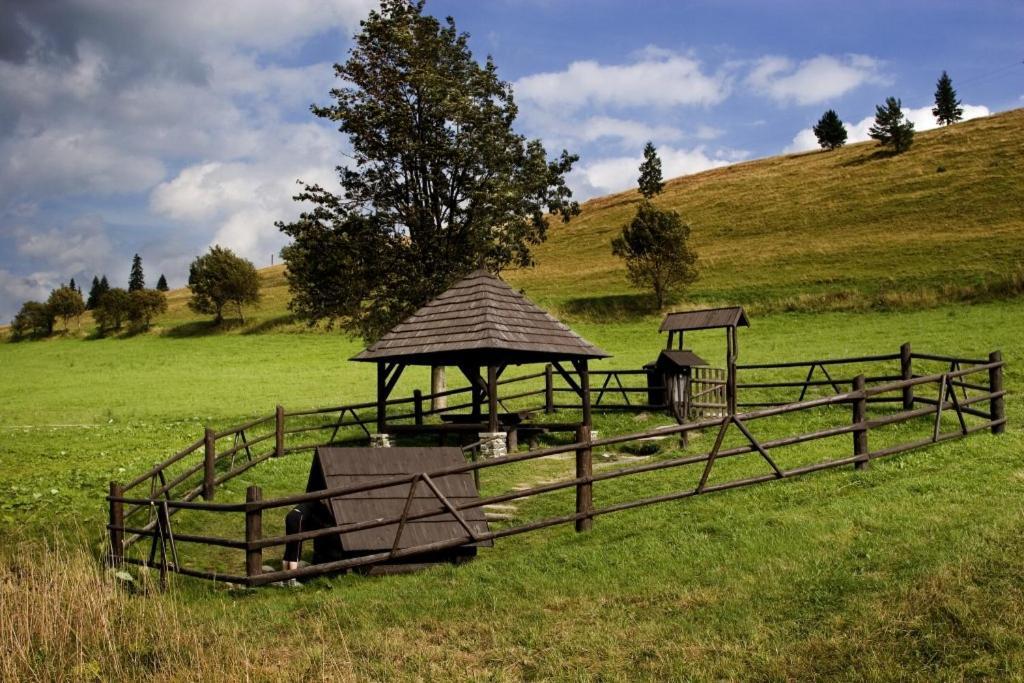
(240, 314)
(438, 384)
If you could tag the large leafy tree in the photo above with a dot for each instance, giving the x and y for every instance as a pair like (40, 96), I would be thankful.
(830, 131)
(947, 109)
(219, 278)
(891, 127)
(438, 183)
(144, 305)
(66, 303)
(34, 319)
(655, 244)
(113, 309)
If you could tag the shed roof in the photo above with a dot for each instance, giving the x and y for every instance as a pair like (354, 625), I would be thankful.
(685, 358)
(706, 319)
(335, 467)
(482, 320)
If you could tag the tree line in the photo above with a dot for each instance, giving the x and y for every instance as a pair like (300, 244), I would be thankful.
(891, 127)
(218, 280)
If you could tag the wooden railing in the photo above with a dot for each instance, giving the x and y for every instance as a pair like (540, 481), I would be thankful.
(966, 391)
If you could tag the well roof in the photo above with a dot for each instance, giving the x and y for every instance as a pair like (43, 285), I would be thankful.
(480, 320)
(706, 319)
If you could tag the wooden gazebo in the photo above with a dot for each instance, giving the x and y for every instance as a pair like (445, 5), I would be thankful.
(479, 323)
(676, 324)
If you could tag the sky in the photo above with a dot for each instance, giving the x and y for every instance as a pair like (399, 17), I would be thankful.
(162, 128)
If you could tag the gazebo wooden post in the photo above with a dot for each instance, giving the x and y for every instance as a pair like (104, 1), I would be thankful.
(730, 380)
(584, 372)
(382, 398)
(492, 398)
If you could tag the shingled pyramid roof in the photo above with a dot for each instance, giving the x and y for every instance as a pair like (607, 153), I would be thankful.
(480, 320)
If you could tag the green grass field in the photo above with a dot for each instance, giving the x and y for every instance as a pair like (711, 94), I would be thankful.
(911, 570)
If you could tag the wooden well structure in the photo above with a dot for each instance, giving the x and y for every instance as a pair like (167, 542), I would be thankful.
(481, 326)
(729, 318)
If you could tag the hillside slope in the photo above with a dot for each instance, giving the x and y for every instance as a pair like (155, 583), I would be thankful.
(828, 228)
(851, 228)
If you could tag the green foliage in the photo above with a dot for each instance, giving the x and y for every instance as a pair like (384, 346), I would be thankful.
(113, 309)
(220, 278)
(66, 303)
(33, 320)
(161, 284)
(655, 247)
(96, 291)
(650, 180)
(136, 280)
(440, 181)
(947, 109)
(891, 128)
(144, 305)
(830, 131)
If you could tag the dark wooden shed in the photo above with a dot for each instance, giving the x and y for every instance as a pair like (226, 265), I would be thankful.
(338, 467)
(728, 318)
(480, 323)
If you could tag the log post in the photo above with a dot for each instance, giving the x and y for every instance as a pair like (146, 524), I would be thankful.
(492, 399)
(279, 431)
(584, 470)
(253, 532)
(549, 390)
(417, 397)
(997, 406)
(860, 434)
(209, 460)
(116, 525)
(906, 373)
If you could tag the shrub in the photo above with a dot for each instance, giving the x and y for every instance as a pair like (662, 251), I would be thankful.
(35, 319)
(113, 309)
(144, 305)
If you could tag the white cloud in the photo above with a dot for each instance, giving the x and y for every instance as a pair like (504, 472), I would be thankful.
(629, 133)
(922, 118)
(814, 80)
(659, 78)
(239, 201)
(615, 174)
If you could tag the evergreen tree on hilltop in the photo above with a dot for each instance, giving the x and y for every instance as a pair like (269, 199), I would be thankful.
(136, 281)
(73, 286)
(161, 284)
(947, 109)
(650, 181)
(891, 127)
(94, 294)
(830, 131)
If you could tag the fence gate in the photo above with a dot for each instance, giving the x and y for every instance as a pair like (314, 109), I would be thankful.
(707, 394)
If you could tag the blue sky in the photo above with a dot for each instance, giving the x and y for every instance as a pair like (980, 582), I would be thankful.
(165, 127)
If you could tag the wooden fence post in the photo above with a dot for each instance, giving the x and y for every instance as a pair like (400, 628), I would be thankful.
(997, 406)
(417, 396)
(209, 460)
(279, 431)
(116, 524)
(549, 390)
(860, 434)
(584, 469)
(907, 372)
(253, 532)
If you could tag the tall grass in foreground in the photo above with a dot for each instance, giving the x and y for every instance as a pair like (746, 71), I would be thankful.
(63, 616)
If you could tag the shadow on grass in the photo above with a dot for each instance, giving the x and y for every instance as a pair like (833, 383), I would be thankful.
(272, 323)
(877, 155)
(610, 307)
(200, 328)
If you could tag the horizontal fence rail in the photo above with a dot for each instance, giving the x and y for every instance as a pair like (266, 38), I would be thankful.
(966, 388)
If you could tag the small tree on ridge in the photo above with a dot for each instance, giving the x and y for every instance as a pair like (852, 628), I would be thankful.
(830, 131)
(650, 181)
(947, 109)
(891, 127)
(136, 281)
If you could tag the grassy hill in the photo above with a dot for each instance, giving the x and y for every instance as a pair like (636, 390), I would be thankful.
(849, 229)
(842, 229)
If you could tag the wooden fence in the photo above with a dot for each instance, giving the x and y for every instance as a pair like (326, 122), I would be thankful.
(971, 389)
